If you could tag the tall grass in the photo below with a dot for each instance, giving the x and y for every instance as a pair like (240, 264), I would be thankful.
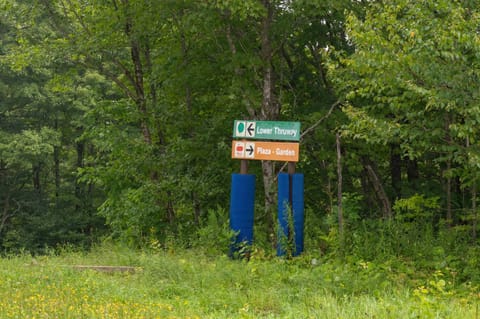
(191, 284)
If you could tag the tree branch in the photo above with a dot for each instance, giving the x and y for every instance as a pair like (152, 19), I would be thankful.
(315, 125)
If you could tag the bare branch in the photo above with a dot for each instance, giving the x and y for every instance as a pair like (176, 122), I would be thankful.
(314, 126)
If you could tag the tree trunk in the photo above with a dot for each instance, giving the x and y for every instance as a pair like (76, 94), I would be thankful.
(339, 186)
(79, 193)
(268, 172)
(6, 196)
(378, 187)
(5, 212)
(396, 170)
(196, 208)
(140, 99)
(412, 173)
(56, 163)
(448, 138)
(448, 191)
(138, 78)
(270, 109)
(36, 170)
(171, 216)
(474, 209)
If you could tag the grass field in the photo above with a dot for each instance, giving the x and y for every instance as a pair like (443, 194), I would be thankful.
(188, 284)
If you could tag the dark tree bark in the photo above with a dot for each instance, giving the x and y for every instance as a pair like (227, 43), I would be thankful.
(56, 165)
(5, 212)
(412, 172)
(339, 186)
(270, 108)
(378, 187)
(449, 140)
(79, 191)
(140, 99)
(36, 179)
(474, 209)
(396, 170)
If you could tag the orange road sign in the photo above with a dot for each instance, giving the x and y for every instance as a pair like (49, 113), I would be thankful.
(273, 151)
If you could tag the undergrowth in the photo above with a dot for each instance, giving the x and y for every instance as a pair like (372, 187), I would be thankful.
(377, 269)
(193, 283)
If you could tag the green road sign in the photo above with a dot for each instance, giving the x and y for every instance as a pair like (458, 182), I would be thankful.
(267, 130)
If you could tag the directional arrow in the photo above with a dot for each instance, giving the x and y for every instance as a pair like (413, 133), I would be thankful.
(251, 128)
(250, 150)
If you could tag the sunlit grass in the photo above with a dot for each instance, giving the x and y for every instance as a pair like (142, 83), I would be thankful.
(187, 284)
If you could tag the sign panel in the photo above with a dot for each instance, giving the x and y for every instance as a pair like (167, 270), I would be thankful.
(267, 130)
(273, 151)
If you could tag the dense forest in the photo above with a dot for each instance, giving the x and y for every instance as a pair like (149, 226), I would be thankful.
(116, 119)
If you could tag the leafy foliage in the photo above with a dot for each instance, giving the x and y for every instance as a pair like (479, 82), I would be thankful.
(411, 85)
(118, 115)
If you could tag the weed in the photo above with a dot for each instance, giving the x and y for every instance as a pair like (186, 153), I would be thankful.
(195, 284)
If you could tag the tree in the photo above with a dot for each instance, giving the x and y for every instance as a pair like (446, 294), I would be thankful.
(166, 79)
(280, 50)
(40, 128)
(412, 83)
(150, 144)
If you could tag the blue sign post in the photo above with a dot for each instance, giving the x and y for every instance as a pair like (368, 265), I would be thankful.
(290, 214)
(242, 202)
